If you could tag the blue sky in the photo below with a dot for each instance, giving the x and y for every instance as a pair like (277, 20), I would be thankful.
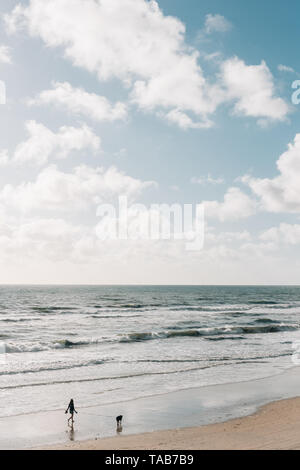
(210, 126)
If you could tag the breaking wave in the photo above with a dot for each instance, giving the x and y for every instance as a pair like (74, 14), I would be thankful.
(208, 332)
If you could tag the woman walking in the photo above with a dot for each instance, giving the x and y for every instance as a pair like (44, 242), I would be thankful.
(72, 410)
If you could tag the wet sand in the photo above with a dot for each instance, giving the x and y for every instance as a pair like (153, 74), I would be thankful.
(274, 426)
(191, 409)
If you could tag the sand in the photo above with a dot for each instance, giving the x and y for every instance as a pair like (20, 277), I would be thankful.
(274, 426)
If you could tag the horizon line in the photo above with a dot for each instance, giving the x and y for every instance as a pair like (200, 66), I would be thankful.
(144, 285)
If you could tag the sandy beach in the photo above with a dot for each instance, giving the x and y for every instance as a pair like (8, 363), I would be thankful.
(274, 426)
(247, 415)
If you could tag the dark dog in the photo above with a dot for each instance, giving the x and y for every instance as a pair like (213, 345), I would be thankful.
(119, 420)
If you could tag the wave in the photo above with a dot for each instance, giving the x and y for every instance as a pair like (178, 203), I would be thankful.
(66, 343)
(38, 347)
(22, 348)
(209, 362)
(280, 306)
(19, 320)
(131, 306)
(54, 368)
(113, 316)
(50, 309)
(234, 314)
(135, 337)
(269, 328)
(97, 379)
(214, 362)
(222, 338)
(208, 308)
(208, 332)
(267, 320)
(235, 332)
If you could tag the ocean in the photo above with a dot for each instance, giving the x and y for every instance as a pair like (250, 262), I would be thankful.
(107, 344)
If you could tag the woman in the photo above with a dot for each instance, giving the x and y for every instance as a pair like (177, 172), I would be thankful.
(71, 408)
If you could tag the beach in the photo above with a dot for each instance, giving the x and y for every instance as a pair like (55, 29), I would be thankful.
(110, 344)
(164, 357)
(191, 417)
(274, 426)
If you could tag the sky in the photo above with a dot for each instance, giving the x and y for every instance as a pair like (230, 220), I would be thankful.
(164, 102)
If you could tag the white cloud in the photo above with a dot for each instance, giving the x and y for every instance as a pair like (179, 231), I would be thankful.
(280, 194)
(80, 189)
(80, 102)
(285, 68)
(216, 23)
(214, 236)
(43, 144)
(284, 233)
(5, 55)
(135, 42)
(130, 40)
(214, 56)
(184, 121)
(50, 238)
(42, 243)
(108, 49)
(252, 87)
(236, 205)
(206, 180)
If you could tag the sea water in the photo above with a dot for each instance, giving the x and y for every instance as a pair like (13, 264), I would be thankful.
(106, 344)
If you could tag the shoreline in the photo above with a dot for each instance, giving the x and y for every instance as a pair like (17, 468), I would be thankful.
(273, 426)
(170, 417)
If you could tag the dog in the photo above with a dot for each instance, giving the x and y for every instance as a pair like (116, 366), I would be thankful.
(119, 420)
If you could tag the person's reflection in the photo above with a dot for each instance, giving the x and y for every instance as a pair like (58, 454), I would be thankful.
(119, 428)
(71, 432)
